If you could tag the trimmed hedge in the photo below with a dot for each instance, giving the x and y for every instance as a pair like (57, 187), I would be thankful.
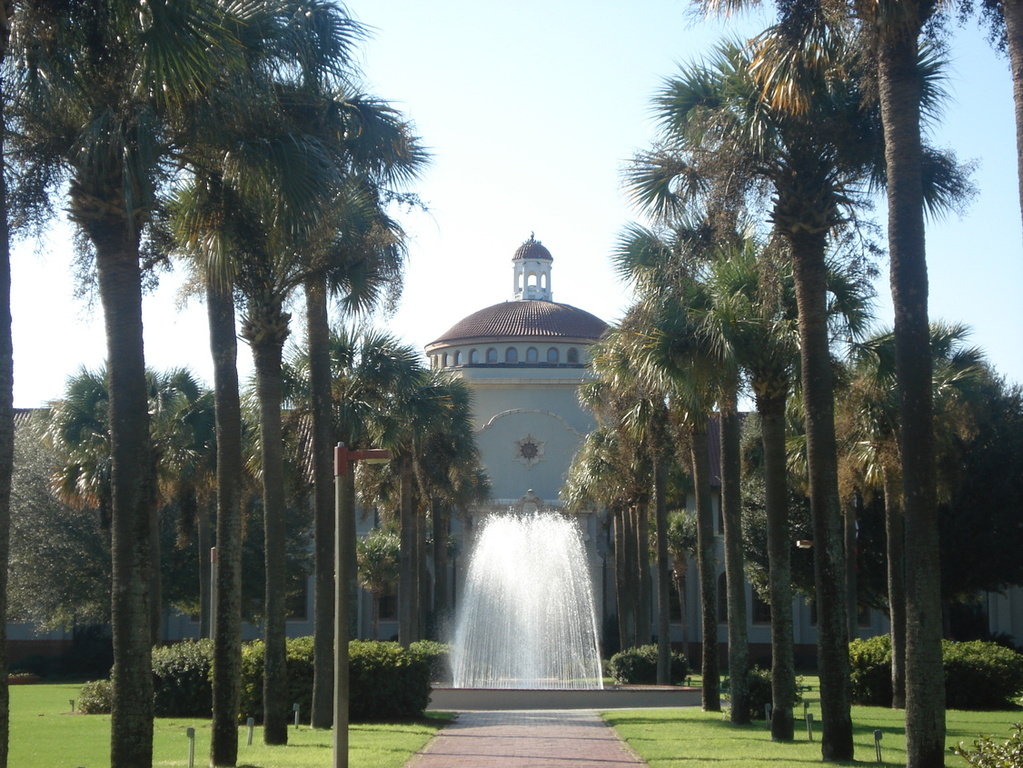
(181, 679)
(437, 655)
(978, 674)
(639, 666)
(870, 670)
(387, 681)
(759, 693)
(981, 675)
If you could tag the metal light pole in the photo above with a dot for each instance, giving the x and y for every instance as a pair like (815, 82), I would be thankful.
(344, 578)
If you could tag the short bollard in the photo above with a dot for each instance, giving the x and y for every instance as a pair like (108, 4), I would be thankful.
(806, 709)
(190, 733)
(251, 723)
(72, 703)
(877, 744)
(809, 725)
(294, 708)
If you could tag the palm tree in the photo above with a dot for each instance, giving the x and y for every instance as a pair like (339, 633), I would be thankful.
(717, 119)
(6, 400)
(874, 414)
(100, 97)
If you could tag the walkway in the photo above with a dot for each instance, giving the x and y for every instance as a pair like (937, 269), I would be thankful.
(526, 739)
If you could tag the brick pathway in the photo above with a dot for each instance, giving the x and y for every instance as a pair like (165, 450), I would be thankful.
(526, 739)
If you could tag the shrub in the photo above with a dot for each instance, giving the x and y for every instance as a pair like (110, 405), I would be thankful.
(96, 698)
(987, 753)
(981, 675)
(639, 665)
(387, 682)
(978, 674)
(437, 655)
(181, 679)
(870, 670)
(300, 677)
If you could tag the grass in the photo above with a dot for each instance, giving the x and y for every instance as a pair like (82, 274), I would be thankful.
(45, 733)
(681, 738)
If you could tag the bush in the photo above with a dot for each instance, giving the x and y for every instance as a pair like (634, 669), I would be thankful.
(96, 698)
(870, 671)
(639, 665)
(181, 679)
(981, 675)
(437, 655)
(987, 753)
(978, 674)
(300, 677)
(387, 682)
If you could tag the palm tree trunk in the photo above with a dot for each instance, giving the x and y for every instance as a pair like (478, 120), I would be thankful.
(425, 590)
(810, 272)
(663, 571)
(155, 575)
(631, 569)
(406, 560)
(896, 551)
(849, 519)
(202, 541)
(779, 556)
(706, 563)
(1013, 12)
(318, 340)
(624, 596)
(643, 573)
(731, 514)
(899, 87)
(266, 352)
(120, 287)
(441, 533)
(227, 648)
(6, 410)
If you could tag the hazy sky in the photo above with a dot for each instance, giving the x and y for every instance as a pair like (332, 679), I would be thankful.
(531, 109)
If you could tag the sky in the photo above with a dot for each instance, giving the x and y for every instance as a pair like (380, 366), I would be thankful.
(531, 110)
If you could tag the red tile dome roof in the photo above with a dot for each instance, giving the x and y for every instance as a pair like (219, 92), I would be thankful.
(534, 319)
(532, 249)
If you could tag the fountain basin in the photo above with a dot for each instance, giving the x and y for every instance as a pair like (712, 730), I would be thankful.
(617, 697)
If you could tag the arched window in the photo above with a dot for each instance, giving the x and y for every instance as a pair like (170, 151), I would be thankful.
(761, 610)
(474, 356)
(573, 355)
(511, 355)
(491, 355)
(552, 355)
(444, 360)
(532, 355)
(458, 357)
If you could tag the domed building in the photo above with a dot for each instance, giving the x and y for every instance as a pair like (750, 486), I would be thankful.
(524, 360)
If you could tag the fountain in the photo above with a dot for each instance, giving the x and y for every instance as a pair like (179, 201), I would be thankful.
(527, 617)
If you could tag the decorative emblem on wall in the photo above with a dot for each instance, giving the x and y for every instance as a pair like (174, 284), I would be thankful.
(529, 450)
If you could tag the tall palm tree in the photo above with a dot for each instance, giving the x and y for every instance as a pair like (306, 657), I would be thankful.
(717, 119)
(100, 94)
(6, 398)
(874, 414)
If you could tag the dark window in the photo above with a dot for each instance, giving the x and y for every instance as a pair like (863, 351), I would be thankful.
(511, 355)
(573, 355)
(532, 355)
(458, 358)
(444, 360)
(474, 356)
(761, 610)
(491, 355)
(552, 355)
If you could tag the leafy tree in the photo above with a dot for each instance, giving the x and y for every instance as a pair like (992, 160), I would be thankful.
(378, 554)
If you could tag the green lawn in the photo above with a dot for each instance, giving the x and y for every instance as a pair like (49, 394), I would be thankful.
(44, 734)
(676, 738)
